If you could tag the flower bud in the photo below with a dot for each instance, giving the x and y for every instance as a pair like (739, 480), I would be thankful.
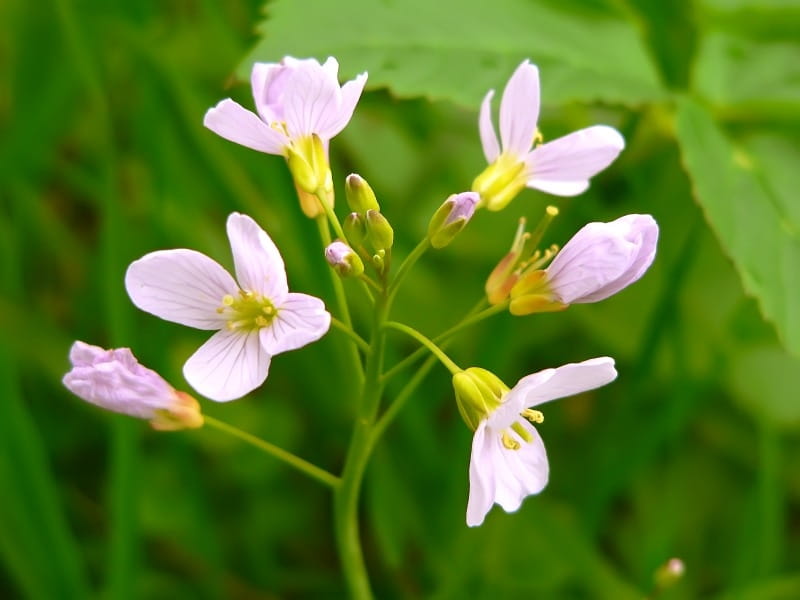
(478, 393)
(355, 229)
(114, 380)
(360, 197)
(451, 217)
(343, 259)
(379, 232)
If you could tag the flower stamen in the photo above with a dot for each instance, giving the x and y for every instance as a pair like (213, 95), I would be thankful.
(247, 312)
(534, 416)
(509, 442)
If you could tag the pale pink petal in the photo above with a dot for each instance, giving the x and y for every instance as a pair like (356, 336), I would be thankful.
(521, 472)
(114, 380)
(182, 286)
(259, 266)
(311, 97)
(237, 124)
(331, 67)
(519, 110)
(301, 319)
(565, 165)
(228, 366)
(268, 81)
(563, 381)
(491, 147)
(333, 123)
(481, 477)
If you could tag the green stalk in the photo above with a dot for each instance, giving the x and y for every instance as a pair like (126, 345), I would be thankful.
(405, 267)
(428, 344)
(347, 494)
(290, 459)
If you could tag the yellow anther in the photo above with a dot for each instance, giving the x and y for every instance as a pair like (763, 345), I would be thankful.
(261, 321)
(227, 300)
(509, 442)
(534, 416)
(522, 432)
(538, 138)
(268, 310)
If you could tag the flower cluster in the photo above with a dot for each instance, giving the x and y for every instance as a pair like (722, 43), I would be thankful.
(299, 107)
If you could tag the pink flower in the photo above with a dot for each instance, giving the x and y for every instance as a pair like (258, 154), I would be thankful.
(255, 318)
(114, 380)
(562, 167)
(508, 461)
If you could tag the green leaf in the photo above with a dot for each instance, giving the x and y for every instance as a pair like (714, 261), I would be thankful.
(765, 382)
(744, 203)
(458, 51)
(742, 76)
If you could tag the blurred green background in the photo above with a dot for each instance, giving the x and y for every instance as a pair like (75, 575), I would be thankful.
(694, 451)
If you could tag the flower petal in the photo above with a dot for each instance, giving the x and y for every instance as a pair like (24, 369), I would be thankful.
(312, 96)
(259, 266)
(301, 319)
(182, 286)
(481, 477)
(232, 121)
(567, 380)
(491, 147)
(521, 472)
(268, 81)
(564, 166)
(519, 110)
(228, 366)
(336, 121)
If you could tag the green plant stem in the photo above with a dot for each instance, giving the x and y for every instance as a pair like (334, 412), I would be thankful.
(332, 218)
(347, 494)
(348, 331)
(341, 300)
(468, 321)
(290, 459)
(427, 343)
(405, 267)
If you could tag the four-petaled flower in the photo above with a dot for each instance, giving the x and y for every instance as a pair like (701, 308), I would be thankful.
(508, 461)
(300, 107)
(561, 167)
(257, 317)
(114, 380)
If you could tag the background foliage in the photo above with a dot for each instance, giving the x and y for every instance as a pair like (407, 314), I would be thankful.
(693, 452)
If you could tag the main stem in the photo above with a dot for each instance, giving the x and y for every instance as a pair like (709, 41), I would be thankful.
(345, 499)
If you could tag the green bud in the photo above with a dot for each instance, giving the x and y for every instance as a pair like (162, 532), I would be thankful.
(360, 197)
(355, 228)
(478, 393)
(451, 217)
(379, 232)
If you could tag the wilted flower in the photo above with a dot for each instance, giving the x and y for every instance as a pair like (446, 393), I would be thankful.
(599, 261)
(508, 461)
(114, 380)
(300, 107)
(257, 317)
(561, 167)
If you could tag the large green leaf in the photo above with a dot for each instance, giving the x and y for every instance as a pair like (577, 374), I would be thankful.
(459, 50)
(746, 203)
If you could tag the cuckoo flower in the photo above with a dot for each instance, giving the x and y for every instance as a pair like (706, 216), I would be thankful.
(255, 318)
(508, 461)
(114, 380)
(300, 106)
(519, 159)
(599, 261)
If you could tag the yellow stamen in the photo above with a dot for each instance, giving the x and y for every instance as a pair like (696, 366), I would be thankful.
(534, 416)
(509, 442)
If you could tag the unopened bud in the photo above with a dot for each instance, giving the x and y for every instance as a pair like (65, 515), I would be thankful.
(355, 228)
(379, 232)
(669, 573)
(478, 393)
(360, 197)
(343, 259)
(451, 217)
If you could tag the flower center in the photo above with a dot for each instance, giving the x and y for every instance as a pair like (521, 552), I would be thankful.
(500, 181)
(247, 311)
(513, 442)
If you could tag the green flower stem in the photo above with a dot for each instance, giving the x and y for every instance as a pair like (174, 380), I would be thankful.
(347, 493)
(430, 345)
(341, 300)
(468, 321)
(348, 331)
(400, 400)
(332, 218)
(405, 267)
(292, 460)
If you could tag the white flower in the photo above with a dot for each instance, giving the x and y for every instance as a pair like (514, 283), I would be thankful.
(256, 318)
(599, 261)
(561, 167)
(114, 380)
(295, 99)
(508, 461)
